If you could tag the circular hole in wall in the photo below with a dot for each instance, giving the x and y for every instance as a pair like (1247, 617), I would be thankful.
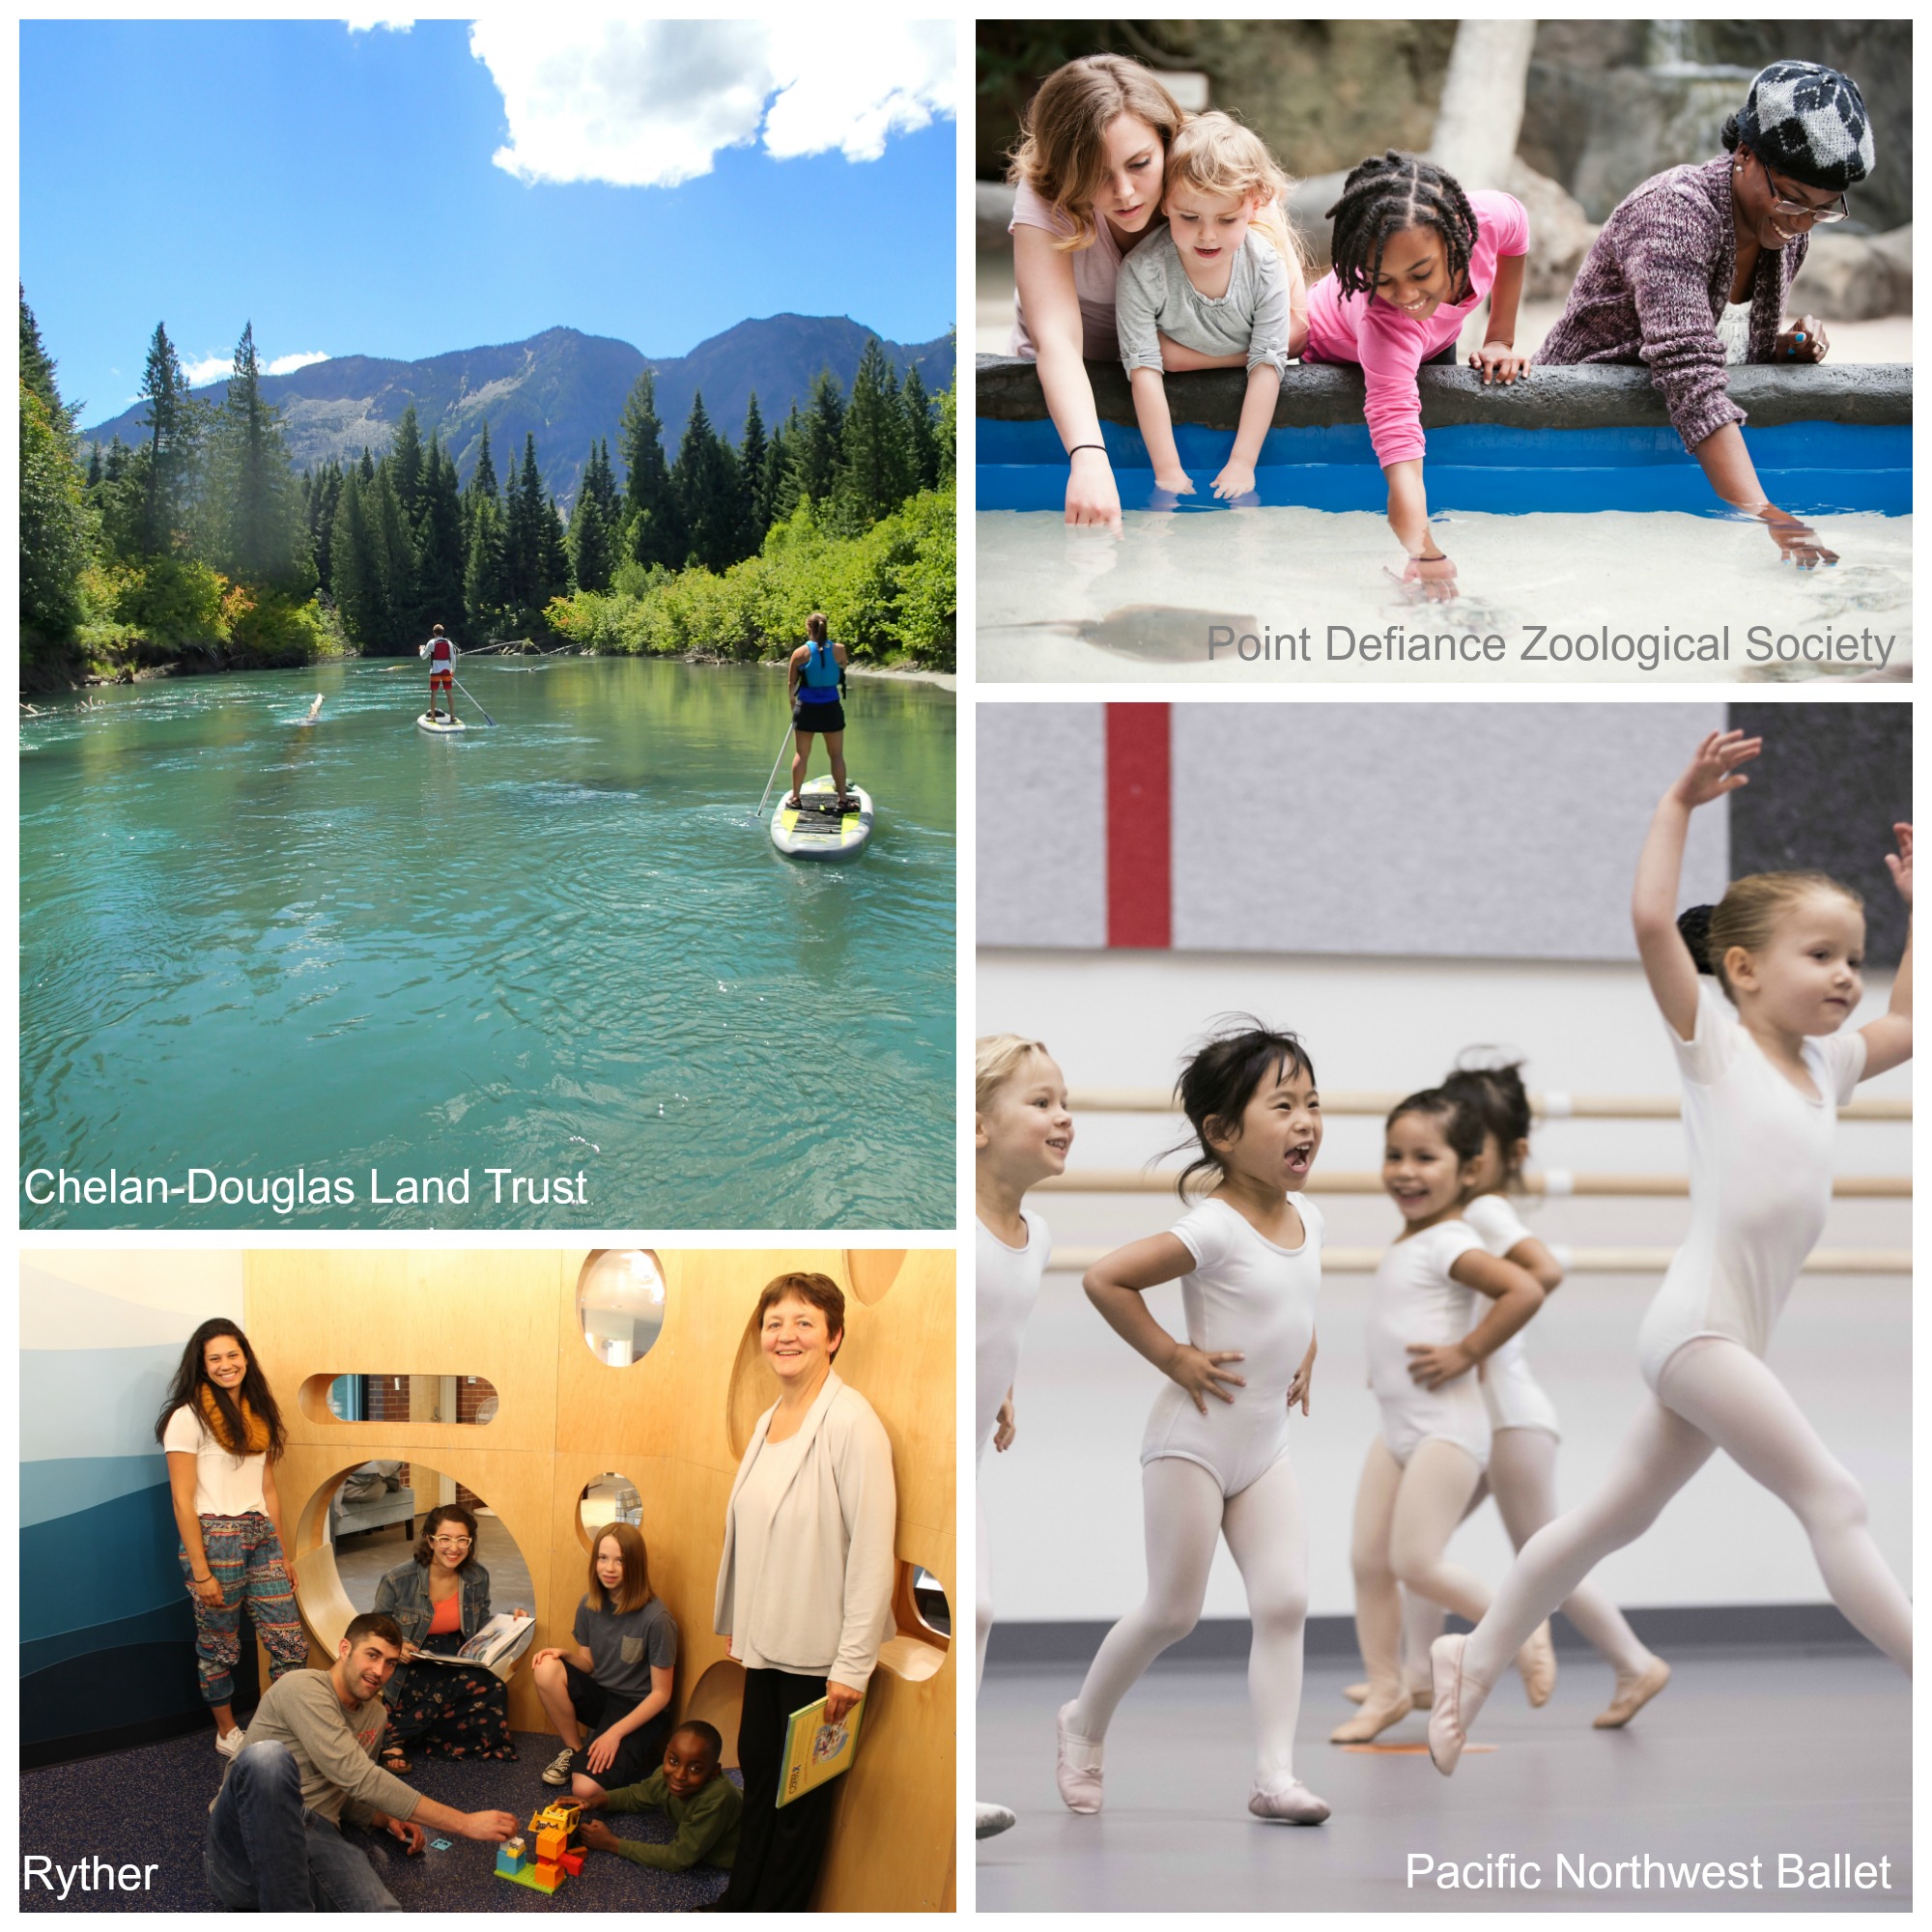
(367, 1520)
(620, 1304)
(612, 1498)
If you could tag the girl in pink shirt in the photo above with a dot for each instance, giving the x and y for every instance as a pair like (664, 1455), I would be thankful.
(1413, 257)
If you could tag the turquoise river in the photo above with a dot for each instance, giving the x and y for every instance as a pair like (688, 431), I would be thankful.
(349, 958)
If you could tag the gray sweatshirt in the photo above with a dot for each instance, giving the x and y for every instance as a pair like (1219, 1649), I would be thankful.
(334, 1749)
(1153, 297)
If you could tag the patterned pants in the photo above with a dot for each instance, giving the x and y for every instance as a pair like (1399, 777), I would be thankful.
(451, 1710)
(244, 1557)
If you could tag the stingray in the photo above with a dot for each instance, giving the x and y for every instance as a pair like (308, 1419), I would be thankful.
(1153, 633)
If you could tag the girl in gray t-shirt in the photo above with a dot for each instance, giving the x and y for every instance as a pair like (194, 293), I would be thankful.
(1224, 280)
(609, 1695)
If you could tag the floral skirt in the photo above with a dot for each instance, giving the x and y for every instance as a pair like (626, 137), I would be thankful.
(451, 1710)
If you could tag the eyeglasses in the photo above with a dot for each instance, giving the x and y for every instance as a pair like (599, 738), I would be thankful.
(1836, 210)
(449, 1541)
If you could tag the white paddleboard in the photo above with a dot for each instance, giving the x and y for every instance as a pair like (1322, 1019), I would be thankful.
(440, 727)
(806, 834)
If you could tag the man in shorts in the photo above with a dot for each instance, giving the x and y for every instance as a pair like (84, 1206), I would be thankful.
(441, 655)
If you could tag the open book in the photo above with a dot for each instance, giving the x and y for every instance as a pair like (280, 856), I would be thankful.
(497, 1646)
(816, 1751)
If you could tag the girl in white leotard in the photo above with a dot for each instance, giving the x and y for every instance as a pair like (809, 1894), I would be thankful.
(1215, 1457)
(1523, 1427)
(1765, 1067)
(1424, 1342)
(1021, 1133)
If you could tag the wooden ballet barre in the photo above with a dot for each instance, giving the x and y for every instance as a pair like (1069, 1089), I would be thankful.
(1550, 1106)
(1555, 1183)
(1576, 1261)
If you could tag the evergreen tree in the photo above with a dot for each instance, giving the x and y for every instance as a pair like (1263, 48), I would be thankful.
(440, 550)
(754, 516)
(819, 451)
(778, 486)
(56, 531)
(921, 433)
(483, 479)
(395, 553)
(875, 475)
(355, 576)
(36, 371)
(553, 557)
(707, 492)
(484, 589)
(406, 465)
(170, 443)
(323, 492)
(592, 556)
(94, 467)
(524, 537)
(650, 502)
(252, 514)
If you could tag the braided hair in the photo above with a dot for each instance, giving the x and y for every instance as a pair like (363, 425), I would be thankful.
(1386, 195)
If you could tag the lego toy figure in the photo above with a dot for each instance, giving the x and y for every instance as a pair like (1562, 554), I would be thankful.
(546, 1859)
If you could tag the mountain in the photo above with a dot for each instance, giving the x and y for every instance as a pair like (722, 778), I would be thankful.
(564, 388)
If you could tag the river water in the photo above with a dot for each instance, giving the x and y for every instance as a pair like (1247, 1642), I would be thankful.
(1084, 606)
(557, 946)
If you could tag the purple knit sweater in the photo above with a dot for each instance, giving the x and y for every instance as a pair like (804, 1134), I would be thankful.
(1654, 284)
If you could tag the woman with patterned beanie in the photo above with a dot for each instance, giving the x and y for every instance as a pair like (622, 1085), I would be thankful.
(1691, 272)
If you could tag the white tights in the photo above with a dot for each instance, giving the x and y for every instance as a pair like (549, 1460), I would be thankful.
(1186, 1514)
(1404, 1516)
(982, 1580)
(1713, 1394)
(1522, 1479)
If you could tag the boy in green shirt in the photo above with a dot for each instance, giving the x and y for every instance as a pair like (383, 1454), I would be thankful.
(703, 1804)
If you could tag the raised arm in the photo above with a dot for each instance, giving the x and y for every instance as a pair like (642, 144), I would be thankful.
(1044, 275)
(1889, 1039)
(1517, 1298)
(1660, 868)
(1115, 1285)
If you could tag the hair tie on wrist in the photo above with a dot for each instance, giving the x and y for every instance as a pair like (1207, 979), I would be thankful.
(1079, 446)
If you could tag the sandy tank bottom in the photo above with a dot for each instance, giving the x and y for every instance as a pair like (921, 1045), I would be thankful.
(1297, 595)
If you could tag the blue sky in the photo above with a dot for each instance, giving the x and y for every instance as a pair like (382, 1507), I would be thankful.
(401, 193)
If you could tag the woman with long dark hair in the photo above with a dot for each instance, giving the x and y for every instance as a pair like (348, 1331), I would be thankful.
(224, 1435)
(439, 1599)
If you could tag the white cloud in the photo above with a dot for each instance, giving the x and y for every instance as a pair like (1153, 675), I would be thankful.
(650, 104)
(208, 369)
(370, 22)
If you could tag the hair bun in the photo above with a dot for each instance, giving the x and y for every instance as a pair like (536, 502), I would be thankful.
(1694, 928)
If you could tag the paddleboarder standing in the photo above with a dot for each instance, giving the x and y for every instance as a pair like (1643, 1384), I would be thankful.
(815, 685)
(441, 655)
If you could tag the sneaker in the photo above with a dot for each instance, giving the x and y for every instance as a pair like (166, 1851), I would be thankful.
(558, 1770)
(229, 1743)
(990, 1820)
(1293, 1803)
(1079, 1783)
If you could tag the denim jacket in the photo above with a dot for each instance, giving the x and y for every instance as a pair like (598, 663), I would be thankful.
(404, 1594)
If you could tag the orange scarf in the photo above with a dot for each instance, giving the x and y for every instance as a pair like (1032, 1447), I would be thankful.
(255, 1432)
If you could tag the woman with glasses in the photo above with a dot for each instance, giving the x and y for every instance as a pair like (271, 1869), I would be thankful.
(1691, 272)
(439, 1599)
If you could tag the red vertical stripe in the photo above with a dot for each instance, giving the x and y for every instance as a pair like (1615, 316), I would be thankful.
(1140, 823)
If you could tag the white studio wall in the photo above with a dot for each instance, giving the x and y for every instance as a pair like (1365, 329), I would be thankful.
(1065, 1503)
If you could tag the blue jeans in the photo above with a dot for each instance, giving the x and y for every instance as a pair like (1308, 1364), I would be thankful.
(266, 1853)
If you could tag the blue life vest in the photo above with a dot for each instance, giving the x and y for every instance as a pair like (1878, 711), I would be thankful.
(822, 678)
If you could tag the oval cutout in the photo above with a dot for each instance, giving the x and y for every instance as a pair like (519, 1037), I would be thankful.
(392, 1396)
(339, 1566)
(753, 1390)
(871, 1271)
(612, 1498)
(718, 1698)
(622, 1296)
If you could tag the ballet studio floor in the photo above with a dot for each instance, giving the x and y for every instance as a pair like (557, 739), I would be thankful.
(1748, 1753)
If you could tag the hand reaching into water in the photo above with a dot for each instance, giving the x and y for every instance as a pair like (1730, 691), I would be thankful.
(1092, 497)
(1429, 578)
(1176, 482)
(1713, 770)
(1797, 543)
(1237, 479)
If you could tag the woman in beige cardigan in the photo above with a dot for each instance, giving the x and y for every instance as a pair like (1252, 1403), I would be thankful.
(805, 1585)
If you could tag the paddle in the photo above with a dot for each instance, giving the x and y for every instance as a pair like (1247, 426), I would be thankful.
(757, 815)
(469, 694)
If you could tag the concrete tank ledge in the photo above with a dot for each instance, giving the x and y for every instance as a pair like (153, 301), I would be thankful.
(1591, 395)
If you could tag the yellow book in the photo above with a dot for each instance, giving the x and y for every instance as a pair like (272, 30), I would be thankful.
(816, 1751)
